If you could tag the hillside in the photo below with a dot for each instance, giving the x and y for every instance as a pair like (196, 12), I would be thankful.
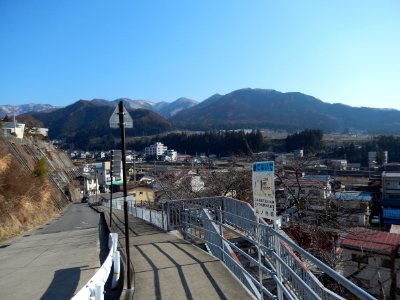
(31, 176)
(85, 124)
(260, 108)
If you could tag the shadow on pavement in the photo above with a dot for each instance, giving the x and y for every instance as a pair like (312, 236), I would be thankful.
(64, 284)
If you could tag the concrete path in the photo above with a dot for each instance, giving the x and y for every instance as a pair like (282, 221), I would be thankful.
(167, 267)
(53, 261)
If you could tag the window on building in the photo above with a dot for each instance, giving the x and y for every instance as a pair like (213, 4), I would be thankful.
(361, 259)
(386, 263)
(140, 193)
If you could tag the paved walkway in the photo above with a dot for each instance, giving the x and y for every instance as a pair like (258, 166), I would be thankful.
(53, 261)
(167, 267)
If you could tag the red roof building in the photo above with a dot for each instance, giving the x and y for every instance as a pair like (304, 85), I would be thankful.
(372, 241)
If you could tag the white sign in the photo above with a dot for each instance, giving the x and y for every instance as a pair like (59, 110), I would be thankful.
(264, 190)
(114, 119)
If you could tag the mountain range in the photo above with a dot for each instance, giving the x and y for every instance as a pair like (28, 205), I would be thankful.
(244, 108)
(9, 110)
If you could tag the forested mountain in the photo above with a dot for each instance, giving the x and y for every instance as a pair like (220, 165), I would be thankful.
(85, 124)
(260, 108)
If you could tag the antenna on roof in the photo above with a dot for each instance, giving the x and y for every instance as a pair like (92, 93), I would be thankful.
(15, 123)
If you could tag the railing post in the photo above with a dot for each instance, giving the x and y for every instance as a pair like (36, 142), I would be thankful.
(278, 266)
(162, 216)
(99, 292)
(116, 267)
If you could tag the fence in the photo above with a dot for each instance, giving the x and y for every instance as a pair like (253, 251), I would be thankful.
(94, 288)
(156, 217)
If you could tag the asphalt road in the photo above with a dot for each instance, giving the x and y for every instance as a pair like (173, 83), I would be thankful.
(53, 261)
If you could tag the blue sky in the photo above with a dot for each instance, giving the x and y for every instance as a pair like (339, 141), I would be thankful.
(58, 52)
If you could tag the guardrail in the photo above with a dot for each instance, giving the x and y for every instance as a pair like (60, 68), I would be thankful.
(94, 288)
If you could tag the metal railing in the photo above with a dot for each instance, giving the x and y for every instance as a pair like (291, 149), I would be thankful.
(294, 279)
(94, 288)
(283, 274)
(155, 217)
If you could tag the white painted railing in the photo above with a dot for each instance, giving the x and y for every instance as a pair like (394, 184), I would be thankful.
(94, 288)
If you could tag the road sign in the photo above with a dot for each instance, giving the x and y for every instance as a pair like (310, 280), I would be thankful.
(114, 119)
(264, 190)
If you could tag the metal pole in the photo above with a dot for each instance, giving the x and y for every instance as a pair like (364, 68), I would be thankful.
(97, 187)
(278, 263)
(123, 150)
(111, 186)
(259, 256)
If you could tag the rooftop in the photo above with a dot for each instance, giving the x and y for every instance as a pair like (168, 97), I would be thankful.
(391, 174)
(354, 196)
(372, 240)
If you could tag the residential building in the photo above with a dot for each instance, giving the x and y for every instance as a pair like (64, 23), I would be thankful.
(13, 129)
(155, 150)
(104, 174)
(371, 259)
(143, 193)
(312, 191)
(390, 197)
(339, 164)
(353, 207)
(171, 155)
(90, 184)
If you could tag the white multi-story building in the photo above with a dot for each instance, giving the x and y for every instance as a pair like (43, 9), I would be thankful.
(156, 150)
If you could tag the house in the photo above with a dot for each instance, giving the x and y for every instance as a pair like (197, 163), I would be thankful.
(353, 207)
(312, 191)
(183, 157)
(390, 202)
(142, 193)
(371, 259)
(339, 164)
(353, 166)
(13, 129)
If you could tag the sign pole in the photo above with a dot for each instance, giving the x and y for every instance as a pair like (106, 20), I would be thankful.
(111, 185)
(259, 256)
(263, 182)
(123, 150)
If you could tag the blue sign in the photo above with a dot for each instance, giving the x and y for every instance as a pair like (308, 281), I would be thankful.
(267, 166)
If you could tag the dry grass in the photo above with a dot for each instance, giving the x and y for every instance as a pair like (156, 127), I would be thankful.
(25, 200)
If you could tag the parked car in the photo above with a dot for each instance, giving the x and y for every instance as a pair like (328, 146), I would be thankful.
(85, 199)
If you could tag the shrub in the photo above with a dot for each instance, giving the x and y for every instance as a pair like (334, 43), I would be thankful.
(41, 168)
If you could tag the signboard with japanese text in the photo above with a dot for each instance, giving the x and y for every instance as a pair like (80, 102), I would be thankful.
(264, 190)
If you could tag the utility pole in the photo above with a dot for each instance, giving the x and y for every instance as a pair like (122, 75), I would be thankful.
(121, 119)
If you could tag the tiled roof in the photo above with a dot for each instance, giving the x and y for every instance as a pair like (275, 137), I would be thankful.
(372, 240)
